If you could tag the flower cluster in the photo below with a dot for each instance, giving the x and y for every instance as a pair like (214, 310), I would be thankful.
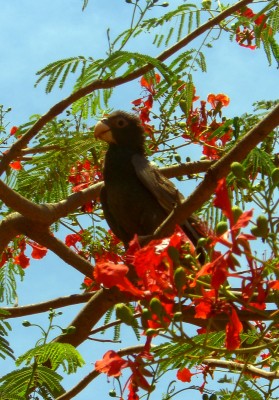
(245, 35)
(16, 253)
(201, 125)
(82, 175)
(144, 104)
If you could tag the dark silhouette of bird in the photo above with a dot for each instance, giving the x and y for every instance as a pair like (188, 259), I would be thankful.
(136, 197)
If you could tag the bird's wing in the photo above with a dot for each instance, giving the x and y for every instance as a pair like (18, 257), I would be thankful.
(166, 193)
(115, 227)
(161, 188)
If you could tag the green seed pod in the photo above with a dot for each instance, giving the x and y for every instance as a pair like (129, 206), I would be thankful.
(261, 230)
(112, 393)
(275, 176)
(206, 4)
(151, 332)
(202, 242)
(179, 278)
(221, 228)
(236, 212)
(156, 307)
(262, 222)
(125, 314)
(237, 169)
(145, 317)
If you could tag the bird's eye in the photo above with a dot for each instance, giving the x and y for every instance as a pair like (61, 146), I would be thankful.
(121, 122)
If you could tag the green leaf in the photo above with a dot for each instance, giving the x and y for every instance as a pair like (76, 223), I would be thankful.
(58, 354)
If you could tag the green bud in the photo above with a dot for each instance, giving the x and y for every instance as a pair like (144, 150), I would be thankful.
(202, 242)
(275, 176)
(237, 169)
(243, 183)
(261, 230)
(236, 212)
(146, 313)
(26, 323)
(70, 330)
(262, 222)
(206, 4)
(178, 316)
(182, 124)
(221, 228)
(112, 393)
(151, 332)
(125, 314)
(179, 278)
(156, 307)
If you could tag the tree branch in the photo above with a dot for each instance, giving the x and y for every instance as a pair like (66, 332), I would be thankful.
(236, 366)
(15, 312)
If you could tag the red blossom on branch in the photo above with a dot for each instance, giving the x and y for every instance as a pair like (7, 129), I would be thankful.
(13, 130)
(245, 36)
(201, 125)
(144, 104)
(111, 364)
(184, 375)
(16, 165)
(82, 175)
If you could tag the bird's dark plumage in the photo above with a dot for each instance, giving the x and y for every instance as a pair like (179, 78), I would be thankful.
(136, 197)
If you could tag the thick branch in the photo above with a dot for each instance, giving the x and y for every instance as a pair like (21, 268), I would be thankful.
(236, 366)
(58, 108)
(15, 312)
(92, 312)
(15, 224)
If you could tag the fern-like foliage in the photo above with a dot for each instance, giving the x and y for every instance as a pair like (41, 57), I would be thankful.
(5, 349)
(58, 71)
(173, 355)
(45, 175)
(9, 274)
(18, 384)
(58, 354)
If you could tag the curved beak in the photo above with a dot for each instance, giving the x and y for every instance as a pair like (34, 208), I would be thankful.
(102, 132)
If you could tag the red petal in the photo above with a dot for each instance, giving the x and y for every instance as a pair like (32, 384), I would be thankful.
(13, 130)
(111, 364)
(38, 251)
(16, 165)
(184, 375)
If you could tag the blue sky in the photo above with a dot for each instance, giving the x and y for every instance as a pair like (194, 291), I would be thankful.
(34, 33)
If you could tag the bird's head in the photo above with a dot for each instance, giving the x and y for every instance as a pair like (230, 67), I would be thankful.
(122, 129)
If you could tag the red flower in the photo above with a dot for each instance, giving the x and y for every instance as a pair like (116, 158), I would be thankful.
(38, 251)
(145, 103)
(22, 260)
(149, 84)
(222, 200)
(15, 165)
(13, 130)
(184, 375)
(110, 274)
(233, 329)
(73, 239)
(218, 100)
(111, 364)
(246, 36)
